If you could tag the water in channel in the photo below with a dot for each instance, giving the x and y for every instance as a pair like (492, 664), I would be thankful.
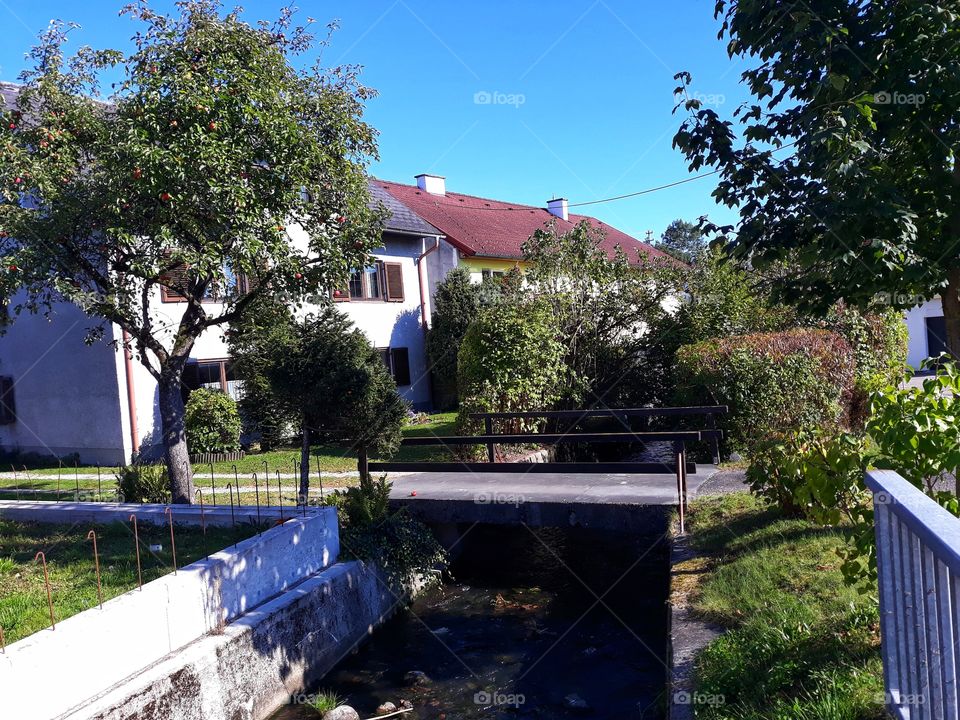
(547, 623)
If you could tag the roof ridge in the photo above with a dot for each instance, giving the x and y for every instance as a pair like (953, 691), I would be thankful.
(467, 195)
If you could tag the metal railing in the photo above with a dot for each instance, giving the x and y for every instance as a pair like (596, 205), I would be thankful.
(918, 568)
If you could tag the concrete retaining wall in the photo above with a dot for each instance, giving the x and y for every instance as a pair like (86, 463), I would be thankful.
(52, 671)
(261, 660)
(49, 511)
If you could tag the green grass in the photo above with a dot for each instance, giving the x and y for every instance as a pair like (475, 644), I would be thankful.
(23, 600)
(326, 700)
(800, 643)
(332, 459)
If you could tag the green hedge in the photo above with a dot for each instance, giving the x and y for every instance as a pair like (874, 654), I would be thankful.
(213, 422)
(773, 382)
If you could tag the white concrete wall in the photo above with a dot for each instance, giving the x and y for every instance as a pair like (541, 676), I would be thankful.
(92, 651)
(68, 394)
(917, 350)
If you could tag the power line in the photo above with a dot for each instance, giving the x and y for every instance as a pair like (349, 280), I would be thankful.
(644, 192)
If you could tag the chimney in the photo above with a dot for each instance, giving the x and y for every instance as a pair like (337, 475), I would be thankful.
(558, 207)
(433, 184)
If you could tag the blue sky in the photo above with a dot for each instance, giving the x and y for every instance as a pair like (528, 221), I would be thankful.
(519, 101)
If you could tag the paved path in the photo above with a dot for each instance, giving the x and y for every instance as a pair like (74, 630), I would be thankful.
(580, 488)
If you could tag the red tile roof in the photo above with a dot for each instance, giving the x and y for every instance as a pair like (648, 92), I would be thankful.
(491, 228)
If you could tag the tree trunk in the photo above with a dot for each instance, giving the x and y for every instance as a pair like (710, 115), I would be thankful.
(950, 300)
(175, 437)
(305, 463)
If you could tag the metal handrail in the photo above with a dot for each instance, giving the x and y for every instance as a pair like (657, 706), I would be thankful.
(606, 412)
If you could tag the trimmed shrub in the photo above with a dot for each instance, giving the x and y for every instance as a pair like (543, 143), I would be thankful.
(773, 382)
(213, 422)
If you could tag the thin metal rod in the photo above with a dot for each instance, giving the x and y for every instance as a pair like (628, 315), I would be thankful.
(266, 481)
(203, 522)
(99, 486)
(173, 543)
(92, 535)
(46, 581)
(319, 477)
(233, 520)
(680, 492)
(296, 483)
(136, 545)
(76, 477)
(279, 496)
(256, 490)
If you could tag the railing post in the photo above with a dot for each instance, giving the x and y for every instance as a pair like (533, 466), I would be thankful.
(716, 440)
(681, 484)
(488, 428)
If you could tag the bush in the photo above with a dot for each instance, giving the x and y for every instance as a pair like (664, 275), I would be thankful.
(143, 483)
(774, 383)
(510, 360)
(213, 422)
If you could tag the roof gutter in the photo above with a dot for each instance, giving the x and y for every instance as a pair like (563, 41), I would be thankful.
(423, 297)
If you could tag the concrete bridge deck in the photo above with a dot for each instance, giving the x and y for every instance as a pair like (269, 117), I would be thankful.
(623, 502)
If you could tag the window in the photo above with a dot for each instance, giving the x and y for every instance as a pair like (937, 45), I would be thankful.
(177, 280)
(489, 274)
(936, 336)
(8, 410)
(397, 361)
(213, 374)
(381, 281)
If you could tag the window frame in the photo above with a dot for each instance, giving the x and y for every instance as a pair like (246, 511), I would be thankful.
(387, 292)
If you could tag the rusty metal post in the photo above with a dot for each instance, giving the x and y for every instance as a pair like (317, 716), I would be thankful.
(136, 545)
(266, 480)
(319, 477)
(279, 496)
(233, 520)
(203, 522)
(99, 486)
(491, 450)
(46, 582)
(173, 543)
(256, 490)
(92, 535)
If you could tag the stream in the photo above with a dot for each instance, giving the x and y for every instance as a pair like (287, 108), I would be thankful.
(534, 623)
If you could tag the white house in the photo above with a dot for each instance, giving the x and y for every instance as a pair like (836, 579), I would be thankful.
(927, 335)
(59, 396)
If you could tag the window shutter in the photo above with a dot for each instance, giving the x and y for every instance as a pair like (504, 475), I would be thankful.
(400, 358)
(8, 410)
(175, 280)
(394, 281)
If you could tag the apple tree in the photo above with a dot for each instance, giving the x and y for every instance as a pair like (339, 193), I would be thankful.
(220, 166)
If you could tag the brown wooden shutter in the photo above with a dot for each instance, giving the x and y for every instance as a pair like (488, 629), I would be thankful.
(8, 409)
(400, 359)
(176, 278)
(393, 272)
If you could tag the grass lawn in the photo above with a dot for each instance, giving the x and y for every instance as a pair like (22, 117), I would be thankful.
(331, 458)
(23, 599)
(800, 644)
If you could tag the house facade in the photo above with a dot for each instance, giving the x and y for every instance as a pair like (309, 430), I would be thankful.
(64, 398)
(926, 331)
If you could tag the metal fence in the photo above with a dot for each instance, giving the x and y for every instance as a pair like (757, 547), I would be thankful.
(918, 565)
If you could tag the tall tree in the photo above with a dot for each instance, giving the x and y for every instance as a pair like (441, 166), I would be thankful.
(863, 100)
(322, 376)
(683, 240)
(213, 153)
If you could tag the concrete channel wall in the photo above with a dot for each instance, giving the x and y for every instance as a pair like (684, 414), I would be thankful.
(261, 661)
(55, 670)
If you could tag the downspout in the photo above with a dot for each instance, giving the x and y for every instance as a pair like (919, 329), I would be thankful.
(423, 310)
(131, 396)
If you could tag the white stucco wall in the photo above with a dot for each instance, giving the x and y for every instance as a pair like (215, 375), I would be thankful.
(67, 394)
(917, 350)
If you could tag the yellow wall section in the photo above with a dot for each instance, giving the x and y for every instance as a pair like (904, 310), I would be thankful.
(477, 264)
